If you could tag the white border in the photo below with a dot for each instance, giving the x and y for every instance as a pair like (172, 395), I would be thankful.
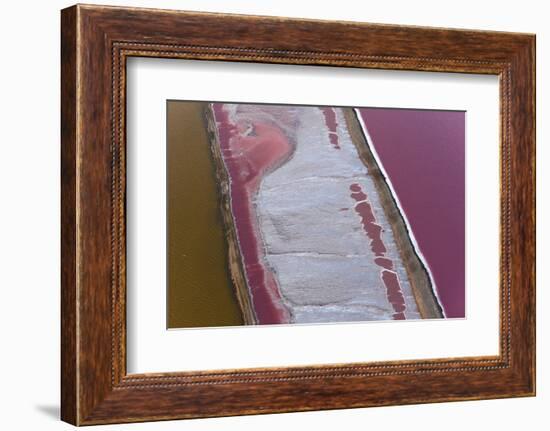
(152, 348)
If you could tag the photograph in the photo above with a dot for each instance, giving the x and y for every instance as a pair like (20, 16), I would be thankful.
(313, 214)
(279, 209)
(275, 215)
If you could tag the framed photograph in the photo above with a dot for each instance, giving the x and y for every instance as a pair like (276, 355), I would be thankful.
(264, 214)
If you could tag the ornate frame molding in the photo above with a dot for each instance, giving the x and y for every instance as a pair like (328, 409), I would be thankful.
(96, 41)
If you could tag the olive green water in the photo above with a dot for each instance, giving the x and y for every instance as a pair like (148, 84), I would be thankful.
(200, 291)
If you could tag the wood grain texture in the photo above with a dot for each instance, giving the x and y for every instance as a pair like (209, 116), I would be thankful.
(96, 41)
(69, 397)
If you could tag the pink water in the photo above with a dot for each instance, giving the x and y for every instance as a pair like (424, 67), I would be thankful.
(423, 153)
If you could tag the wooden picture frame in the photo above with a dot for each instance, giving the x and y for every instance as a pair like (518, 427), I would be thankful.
(95, 43)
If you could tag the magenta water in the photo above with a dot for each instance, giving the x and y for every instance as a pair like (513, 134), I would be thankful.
(423, 153)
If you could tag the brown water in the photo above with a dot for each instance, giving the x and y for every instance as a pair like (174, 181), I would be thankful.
(200, 291)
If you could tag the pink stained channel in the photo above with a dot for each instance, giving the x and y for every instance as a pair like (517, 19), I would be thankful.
(423, 154)
(247, 158)
(371, 228)
(330, 121)
(373, 231)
